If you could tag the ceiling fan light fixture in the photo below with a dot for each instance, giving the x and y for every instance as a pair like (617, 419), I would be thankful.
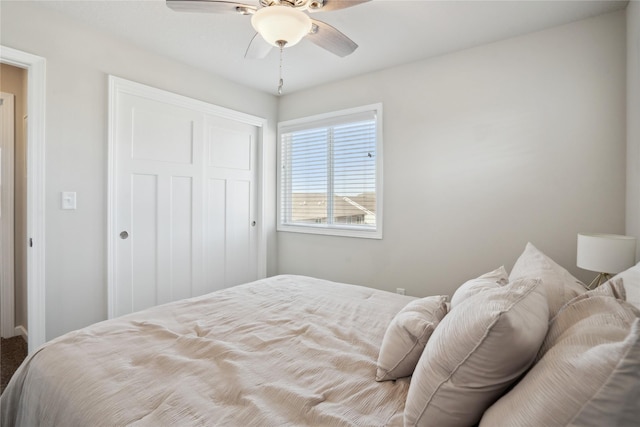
(281, 23)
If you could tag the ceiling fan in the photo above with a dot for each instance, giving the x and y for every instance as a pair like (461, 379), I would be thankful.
(281, 23)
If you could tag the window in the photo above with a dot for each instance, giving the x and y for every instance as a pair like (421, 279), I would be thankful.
(330, 173)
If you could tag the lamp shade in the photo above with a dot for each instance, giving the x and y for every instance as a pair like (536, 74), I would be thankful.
(281, 23)
(606, 253)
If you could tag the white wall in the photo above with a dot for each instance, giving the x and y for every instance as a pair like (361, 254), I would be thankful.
(484, 150)
(633, 121)
(79, 60)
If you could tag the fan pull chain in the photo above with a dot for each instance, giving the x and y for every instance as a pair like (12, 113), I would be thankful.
(281, 44)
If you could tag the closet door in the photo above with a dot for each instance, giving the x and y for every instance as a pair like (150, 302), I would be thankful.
(185, 203)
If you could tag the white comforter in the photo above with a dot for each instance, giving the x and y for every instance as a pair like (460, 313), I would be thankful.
(288, 350)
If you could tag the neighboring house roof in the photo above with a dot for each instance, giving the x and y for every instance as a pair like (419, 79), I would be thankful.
(313, 206)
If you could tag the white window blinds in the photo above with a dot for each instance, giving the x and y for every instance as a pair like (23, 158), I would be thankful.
(329, 175)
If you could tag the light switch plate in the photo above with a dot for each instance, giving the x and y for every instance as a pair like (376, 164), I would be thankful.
(68, 200)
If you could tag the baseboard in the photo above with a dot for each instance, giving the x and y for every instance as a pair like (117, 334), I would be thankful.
(20, 330)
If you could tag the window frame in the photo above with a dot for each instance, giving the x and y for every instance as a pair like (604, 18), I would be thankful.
(331, 119)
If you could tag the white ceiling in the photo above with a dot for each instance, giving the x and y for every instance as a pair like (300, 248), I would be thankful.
(389, 32)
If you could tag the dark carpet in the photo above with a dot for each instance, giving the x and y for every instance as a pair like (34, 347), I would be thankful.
(12, 353)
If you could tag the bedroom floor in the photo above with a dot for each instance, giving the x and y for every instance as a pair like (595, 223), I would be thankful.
(12, 352)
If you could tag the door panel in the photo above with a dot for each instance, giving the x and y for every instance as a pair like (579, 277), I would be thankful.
(160, 136)
(143, 235)
(239, 233)
(215, 237)
(230, 149)
(181, 232)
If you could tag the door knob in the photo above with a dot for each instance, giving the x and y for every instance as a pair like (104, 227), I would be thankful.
(124, 235)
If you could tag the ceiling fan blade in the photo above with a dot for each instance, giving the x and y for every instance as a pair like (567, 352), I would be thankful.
(327, 37)
(258, 48)
(211, 6)
(329, 5)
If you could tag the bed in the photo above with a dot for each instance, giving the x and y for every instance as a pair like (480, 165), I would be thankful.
(287, 350)
(531, 347)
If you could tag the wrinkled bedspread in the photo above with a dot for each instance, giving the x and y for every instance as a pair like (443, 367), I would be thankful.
(287, 350)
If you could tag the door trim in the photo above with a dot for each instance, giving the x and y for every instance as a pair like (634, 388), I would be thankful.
(36, 108)
(119, 86)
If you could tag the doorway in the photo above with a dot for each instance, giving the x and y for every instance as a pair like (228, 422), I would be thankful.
(34, 67)
(13, 108)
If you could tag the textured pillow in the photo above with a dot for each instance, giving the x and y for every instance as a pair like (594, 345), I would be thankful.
(480, 348)
(407, 335)
(587, 372)
(631, 279)
(613, 288)
(560, 286)
(493, 279)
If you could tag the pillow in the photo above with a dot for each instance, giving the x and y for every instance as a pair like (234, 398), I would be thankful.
(560, 286)
(493, 279)
(407, 335)
(631, 279)
(588, 372)
(481, 346)
(611, 288)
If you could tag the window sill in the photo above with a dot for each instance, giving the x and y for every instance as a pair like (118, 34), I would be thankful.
(345, 231)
